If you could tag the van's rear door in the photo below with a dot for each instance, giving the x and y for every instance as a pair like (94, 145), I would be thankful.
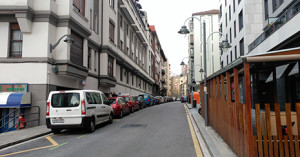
(65, 108)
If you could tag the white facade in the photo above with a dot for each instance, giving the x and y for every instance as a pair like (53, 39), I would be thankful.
(211, 19)
(44, 22)
(240, 22)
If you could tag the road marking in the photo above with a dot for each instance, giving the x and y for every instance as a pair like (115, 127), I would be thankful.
(28, 150)
(196, 143)
(58, 146)
(82, 136)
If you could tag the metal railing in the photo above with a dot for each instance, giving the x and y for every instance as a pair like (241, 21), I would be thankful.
(281, 20)
(17, 118)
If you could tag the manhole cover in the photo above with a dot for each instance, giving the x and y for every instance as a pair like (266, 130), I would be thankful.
(134, 126)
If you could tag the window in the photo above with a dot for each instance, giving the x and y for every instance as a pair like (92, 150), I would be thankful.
(65, 100)
(79, 5)
(110, 66)
(220, 10)
(242, 47)
(230, 36)
(266, 9)
(239, 1)
(132, 80)
(121, 45)
(96, 19)
(225, 2)
(95, 61)
(16, 41)
(235, 52)
(121, 74)
(112, 3)
(226, 19)
(230, 56)
(111, 31)
(227, 59)
(229, 13)
(276, 4)
(127, 75)
(241, 20)
(89, 59)
(221, 29)
(76, 56)
(234, 29)
(233, 5)
(121, 21)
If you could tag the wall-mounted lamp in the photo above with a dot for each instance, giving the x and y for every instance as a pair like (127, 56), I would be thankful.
(67, 40)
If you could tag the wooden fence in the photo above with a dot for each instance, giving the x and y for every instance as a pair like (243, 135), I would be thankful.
(233, 120)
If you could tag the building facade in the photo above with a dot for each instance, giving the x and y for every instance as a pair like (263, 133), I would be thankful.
(111, 49)
(240, 23)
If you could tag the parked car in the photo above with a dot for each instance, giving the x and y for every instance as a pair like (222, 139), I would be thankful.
(141, 102)
(183, 99)
(157, 100)
(148, 99)
(77, 109)
(119, 105)
(133, 105)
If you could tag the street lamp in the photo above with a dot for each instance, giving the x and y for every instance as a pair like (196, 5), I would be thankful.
(69, 39)
(224, 45)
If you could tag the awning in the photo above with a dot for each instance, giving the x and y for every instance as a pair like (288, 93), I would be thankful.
(15, 100)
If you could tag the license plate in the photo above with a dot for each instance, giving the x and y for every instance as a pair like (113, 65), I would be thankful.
(58, 120)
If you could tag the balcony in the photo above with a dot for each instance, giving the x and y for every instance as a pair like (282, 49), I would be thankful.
(163, 71)
(273, 27)
(71, 70)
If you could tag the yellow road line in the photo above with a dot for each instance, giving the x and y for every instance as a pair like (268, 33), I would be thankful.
(196, 143)
(28, 150)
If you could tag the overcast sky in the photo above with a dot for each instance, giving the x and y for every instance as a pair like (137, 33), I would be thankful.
(168, 16)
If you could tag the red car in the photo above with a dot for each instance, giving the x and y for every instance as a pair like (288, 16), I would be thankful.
(133, 105)
(119, 105)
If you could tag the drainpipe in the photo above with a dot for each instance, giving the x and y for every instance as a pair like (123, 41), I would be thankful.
(101, 45)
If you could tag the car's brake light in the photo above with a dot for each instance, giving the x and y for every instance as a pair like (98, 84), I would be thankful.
(83, 111)
(48, 109)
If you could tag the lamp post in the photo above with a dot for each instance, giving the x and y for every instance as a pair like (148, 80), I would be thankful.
(224, 45)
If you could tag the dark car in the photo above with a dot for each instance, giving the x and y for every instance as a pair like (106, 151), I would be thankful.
(183, 99)
(148, 99)
(140, 100)
(119, 105)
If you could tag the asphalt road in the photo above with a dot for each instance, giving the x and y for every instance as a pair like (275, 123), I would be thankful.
(157, 131)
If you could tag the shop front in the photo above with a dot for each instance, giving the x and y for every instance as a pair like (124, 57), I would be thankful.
(14, 99)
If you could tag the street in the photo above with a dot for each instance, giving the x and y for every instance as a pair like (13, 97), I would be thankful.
(161, 130)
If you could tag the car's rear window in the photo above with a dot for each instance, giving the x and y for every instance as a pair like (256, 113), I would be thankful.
(65, 100)
(112, 101)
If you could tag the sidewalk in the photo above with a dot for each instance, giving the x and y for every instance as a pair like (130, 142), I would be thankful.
(15, 137)
(214, 143)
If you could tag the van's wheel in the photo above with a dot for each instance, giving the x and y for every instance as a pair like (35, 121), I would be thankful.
(91, 126)
(110, 121)
(56, 131)
(121, 114)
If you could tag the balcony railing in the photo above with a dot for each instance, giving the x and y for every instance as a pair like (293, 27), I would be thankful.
(284, 18)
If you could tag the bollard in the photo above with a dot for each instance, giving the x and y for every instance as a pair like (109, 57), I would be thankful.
(194, 104)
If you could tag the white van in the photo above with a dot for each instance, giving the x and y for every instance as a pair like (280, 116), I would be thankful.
(77, 109)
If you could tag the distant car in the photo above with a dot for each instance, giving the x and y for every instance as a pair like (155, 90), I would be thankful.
(119, 105)
(133, 105)
(77, 109)
(183, 99)
(140, 100)
(148, 99)
(157, 100)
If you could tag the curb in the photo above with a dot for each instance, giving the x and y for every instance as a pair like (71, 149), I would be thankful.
(23, 140)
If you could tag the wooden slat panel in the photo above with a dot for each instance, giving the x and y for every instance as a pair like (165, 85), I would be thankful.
(265, 138)
(298, 117)
(278, 128)
(268, 123)
(286, 146)
(297, 145)
(248, 107)
(258, 130)
(289, 127)
(254, 146)
(245, 151)
(276, 151)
